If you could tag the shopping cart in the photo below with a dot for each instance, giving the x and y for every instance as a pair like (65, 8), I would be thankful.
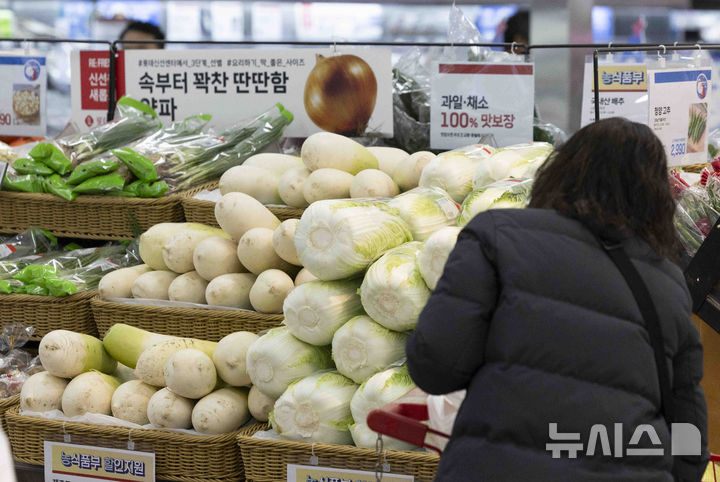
(712, 473)
(403, 421)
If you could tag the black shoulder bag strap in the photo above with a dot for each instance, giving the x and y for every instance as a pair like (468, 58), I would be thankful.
(652, 322)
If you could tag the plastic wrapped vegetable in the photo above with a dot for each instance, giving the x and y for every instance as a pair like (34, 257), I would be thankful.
(56, 185)
(101, 184)
(30, 166)
(86, 170)
(138, 164)
(519, 161)
(453, 171)
(426, 210)
(694, 218)
(23, 182)
(52, 157)
(32, 241)
(511, 193)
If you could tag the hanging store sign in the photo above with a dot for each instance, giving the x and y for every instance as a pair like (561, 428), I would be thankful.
(623, 92)
(311, 473)
(679, 103)
(23, 79)
(89, 90)
(82, 463)
(347, 91)
(472, 100)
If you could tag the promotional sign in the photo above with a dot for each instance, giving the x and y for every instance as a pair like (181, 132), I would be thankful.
(679, 111)
(23, 81)
(469, 100)
(623, 92)
(310, 473)
(90, 74)
(347, 91)
(81, 463)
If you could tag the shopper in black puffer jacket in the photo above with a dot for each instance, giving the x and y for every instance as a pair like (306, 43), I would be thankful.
(533, 318)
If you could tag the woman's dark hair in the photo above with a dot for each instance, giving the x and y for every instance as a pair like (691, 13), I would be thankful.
(612, 174)
(144, 27)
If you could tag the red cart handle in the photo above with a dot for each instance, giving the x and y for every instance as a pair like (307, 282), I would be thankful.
(402, 421)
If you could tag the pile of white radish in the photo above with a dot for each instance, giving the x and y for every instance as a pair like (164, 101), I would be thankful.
(250, 264)
(181, 383)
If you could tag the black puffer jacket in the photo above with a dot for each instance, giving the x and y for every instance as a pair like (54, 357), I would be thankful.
(534, 319)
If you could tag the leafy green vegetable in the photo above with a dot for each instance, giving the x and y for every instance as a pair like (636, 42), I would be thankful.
(101, 184)
(86, 170)
(52, 157)
(30, 166)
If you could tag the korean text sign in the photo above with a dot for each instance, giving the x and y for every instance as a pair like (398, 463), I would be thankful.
(234, 84)
(23, 80)
(310, 473)
(90, 85)
(623, 92)
(469, 100)
(679, 103)
(80, 463)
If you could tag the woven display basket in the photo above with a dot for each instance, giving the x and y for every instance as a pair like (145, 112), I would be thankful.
(47, 313)
(88, 217)
(199, 211)
(5, 404)
(267, 460)
(201, 323)
(178, 456)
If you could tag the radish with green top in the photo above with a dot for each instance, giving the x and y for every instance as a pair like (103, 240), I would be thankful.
(153, 285)
(231, 290)
(255, 251)
(223, 411)
(325, 149)
(216, 256)
(190, 373)
(118, 283)
(67, 354)
(237, 213)
(270, 290)
(42, 392)
(291, 185)
(189, 288)
(130, 401)
(150, 366)
(260, 405)
(89, 392)
(262, 184)
(283, 241)
(169, 410)
(126, 343)
(230, 355)
(327, 183)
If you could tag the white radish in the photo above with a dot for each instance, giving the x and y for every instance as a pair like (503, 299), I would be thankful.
(270, 290)
(189, 288)
(168, 410)
(130, 401)
(216, 256)
(178, 249)
(150, 366)
(372, 183)
(304, 276)
(190, 373)
(408, 171)
(124, 373)
(126, 343)
(232, 290)
(290, 187)
(262, 184)
(118, 283)
(153, 240)
(67, 354)
(236, 213)
(277, 163)
(325, 149)
(260, 405)
(230, 358)
(327, 183)
(89, 392)
(283, 241)
(388, 158)
(153, 285)
(42, 392)
(256, 252)
(222, 411)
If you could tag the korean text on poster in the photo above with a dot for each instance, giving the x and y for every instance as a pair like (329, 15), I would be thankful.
(23, 81)
(234, 84)
(623, 92)
(679, 104)
(81, 463)
(89, 90)
(311, 473)
(469, 100)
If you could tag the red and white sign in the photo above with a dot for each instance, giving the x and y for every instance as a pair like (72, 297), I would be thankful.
(470, 100)
(90, 87)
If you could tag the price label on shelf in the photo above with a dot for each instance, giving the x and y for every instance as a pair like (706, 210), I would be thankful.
(679, 104)
(66, 462)
(23, 81)
(310, 473)
(623, 92)
(471, 100)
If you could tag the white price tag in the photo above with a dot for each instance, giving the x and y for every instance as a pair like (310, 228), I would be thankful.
(623, 92)
(679, 112)
(470, 100)
(68, 462)
(23, 81)
(308, 473)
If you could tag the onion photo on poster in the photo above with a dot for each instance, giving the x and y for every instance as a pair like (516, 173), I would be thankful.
(340, 94)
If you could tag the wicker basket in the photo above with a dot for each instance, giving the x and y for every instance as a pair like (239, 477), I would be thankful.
(178, 456)
(5, 404)
(47, 313)
(199, 211)
(88, 217)
(201, 323)
(267, 460)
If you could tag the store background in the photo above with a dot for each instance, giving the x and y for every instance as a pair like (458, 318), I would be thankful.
(558, 72)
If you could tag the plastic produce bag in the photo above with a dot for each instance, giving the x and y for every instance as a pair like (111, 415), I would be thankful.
(16, 365)
(30, 166)
(52, 157)
(138, 164)
(30, 242)
(57, 186)
(101, 184)
(442, 411)
(86, 170)
(23, 182)
(694, 218)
